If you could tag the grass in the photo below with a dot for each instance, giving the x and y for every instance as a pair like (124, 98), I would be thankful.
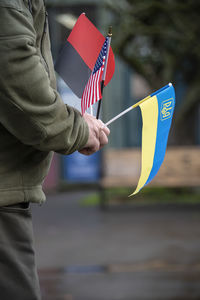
(146, 196)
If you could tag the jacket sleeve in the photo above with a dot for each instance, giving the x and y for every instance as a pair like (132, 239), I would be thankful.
(30, 109)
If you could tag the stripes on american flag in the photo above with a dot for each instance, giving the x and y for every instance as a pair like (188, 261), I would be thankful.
(92, 91)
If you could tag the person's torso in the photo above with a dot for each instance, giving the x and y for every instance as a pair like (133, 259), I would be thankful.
(22, 167)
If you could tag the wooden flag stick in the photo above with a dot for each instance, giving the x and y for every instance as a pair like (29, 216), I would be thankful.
(104, 71)
(127, 110)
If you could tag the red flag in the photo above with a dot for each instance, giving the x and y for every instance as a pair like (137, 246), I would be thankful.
(79, 55)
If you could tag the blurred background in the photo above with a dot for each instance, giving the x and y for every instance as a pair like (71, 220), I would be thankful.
(92, 241)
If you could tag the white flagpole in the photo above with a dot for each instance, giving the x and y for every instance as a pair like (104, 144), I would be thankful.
(137, 104)
(119, 115)
(91, 110)
(126, 110)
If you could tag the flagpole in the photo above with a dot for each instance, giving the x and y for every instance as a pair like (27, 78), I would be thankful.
(127, 110)
(137, 104)
(104, 71)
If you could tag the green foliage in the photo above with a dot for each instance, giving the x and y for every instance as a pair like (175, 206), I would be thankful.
(160, 40)
(146, 196)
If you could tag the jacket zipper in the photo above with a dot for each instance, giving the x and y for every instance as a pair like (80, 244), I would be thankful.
(30, 6)
(41, 45)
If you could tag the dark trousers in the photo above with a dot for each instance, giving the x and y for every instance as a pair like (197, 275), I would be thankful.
(18, 274)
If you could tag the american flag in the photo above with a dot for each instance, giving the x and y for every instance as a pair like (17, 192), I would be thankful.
(92, 91)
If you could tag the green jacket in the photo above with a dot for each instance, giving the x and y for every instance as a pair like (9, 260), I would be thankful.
(34, 121)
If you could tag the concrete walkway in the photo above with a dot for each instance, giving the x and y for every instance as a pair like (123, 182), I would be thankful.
(138, 253)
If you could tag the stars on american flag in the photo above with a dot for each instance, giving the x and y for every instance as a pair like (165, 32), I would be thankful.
(92, 91)
(101, 57)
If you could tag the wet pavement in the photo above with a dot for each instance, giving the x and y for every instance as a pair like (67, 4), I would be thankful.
(139, 252)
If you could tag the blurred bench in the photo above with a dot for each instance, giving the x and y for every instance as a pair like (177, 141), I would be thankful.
(181, 168)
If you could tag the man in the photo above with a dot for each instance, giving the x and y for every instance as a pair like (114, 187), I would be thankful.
(33, 122)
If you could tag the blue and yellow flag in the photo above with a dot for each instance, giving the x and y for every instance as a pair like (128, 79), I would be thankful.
(157, 111)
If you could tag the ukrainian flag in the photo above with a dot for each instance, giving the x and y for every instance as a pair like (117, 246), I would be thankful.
(157, 112)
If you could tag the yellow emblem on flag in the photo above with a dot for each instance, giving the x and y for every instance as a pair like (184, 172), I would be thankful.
(166, 109)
